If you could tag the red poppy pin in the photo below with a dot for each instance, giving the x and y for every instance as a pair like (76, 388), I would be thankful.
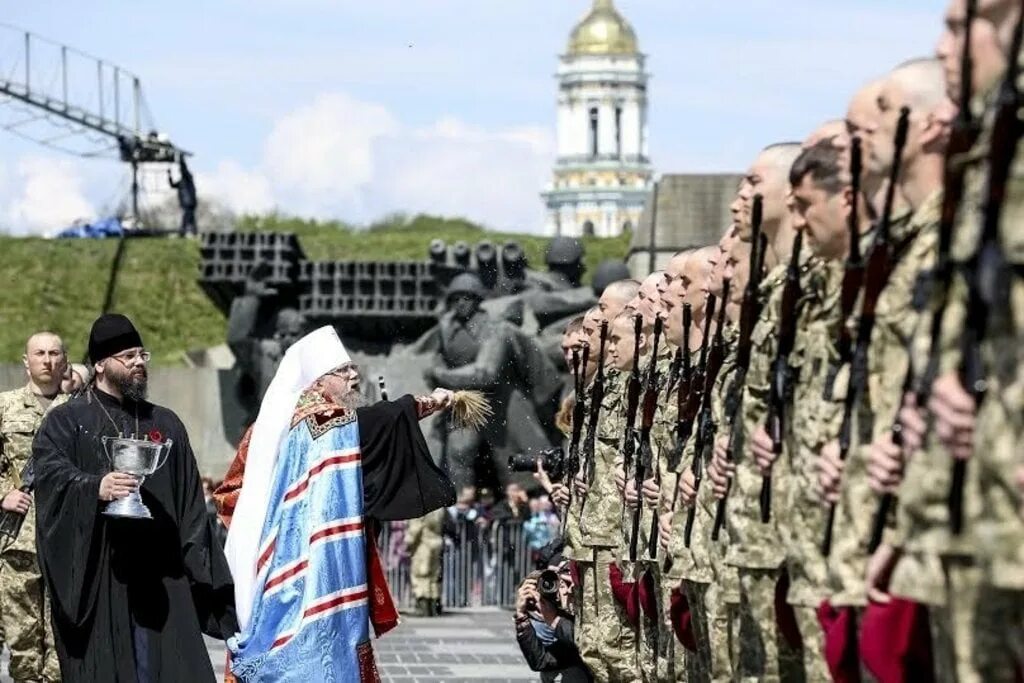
(155, 436)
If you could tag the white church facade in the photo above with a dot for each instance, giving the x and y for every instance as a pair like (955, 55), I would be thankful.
(602, 175)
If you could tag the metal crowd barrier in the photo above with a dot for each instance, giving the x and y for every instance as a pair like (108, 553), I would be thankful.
(480, 567)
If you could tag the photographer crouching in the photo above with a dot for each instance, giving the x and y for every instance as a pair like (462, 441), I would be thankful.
(544, 624)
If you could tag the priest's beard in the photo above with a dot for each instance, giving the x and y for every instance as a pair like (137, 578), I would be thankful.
(133, 384)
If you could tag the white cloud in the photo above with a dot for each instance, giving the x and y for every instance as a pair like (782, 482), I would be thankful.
(43, 195)
(239, 188)
(343, 157)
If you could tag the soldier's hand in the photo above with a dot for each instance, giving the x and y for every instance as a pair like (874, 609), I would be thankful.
(560, 495)
(17, 501)
(721, 472)
(652, 493)
(830, 473)
(912, 424)
(721, 447)
(1019, 478)
(664, 529)
(117, 485)
(688, 488)
(885, 465)
(762, 448)
(879, 571)
(620, 480)
(631, 495)
(954, 412)
(580, 486)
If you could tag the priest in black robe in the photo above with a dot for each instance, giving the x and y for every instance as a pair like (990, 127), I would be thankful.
(131, 598)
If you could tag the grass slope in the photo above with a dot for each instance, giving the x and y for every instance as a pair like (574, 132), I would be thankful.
(60, 284)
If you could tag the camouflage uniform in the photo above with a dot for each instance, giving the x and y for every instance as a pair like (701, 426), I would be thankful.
(755, 549)
(717, 613)
(996, 517)
(934, 569)
(24, 607)
(855, 512)
(815, 421)
(425, 543)
(655, 635)
(603, 634)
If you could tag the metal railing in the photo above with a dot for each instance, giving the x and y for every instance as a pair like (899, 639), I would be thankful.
(480, 566)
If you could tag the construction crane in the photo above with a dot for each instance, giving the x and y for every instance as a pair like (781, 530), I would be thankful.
(71, 101)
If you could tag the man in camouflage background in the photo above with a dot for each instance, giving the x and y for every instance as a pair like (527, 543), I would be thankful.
(24, 609)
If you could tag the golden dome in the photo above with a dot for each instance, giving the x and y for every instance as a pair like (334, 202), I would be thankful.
(603, 32)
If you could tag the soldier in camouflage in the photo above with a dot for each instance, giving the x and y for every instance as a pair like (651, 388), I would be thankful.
(821, 204)
(603, 635)
(24, 608)
(425, 542)
(988, 436)
(755, 548)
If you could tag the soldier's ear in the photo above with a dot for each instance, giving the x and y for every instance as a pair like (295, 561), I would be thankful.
(848, 199)
(932, 133)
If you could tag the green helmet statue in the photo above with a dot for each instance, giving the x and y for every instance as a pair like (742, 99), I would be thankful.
(564, 251)
(465, 283)
(608, 272)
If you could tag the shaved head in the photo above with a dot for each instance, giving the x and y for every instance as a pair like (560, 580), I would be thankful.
(45, 362)
(677, 263)
(922, 83)
(616, 296)
(43, 339)
(830, 130)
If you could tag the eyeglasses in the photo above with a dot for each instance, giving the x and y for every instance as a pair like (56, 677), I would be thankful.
(126, 358)
(346, 371)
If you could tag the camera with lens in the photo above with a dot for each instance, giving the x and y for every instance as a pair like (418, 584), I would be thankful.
(548, 586)
(552, 459)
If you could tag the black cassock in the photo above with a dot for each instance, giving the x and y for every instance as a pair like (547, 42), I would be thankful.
(400, 479)
(130, 598)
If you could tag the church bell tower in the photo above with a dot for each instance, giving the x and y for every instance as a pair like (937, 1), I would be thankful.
(602, 174)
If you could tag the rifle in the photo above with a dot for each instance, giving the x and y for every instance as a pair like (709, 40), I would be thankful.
(987, 272)
(682, 391)
(780, 387)
(879, 266)
(886, 502)
(632, 401)
(750, 311)
(853, 275)
(596, 398)
(704, 425)
(644, 461)
(962, 136)
(579, 378)
(10, 522)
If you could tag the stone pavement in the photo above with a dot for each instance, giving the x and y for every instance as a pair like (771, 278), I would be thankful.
(461, 646)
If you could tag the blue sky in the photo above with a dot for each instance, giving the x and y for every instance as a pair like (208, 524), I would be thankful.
(355, 109)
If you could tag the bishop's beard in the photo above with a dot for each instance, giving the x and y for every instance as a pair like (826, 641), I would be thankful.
(352, 400)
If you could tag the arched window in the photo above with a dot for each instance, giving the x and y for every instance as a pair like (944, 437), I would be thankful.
(588, 229)
(593, 131)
